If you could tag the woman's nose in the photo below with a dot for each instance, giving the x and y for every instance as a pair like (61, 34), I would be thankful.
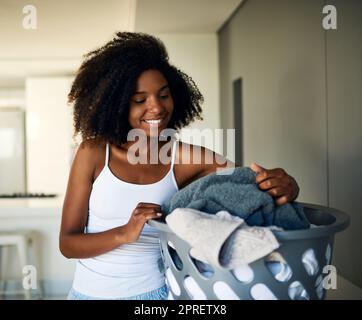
(155, 105)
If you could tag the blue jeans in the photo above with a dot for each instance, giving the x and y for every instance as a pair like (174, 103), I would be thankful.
(158, 294)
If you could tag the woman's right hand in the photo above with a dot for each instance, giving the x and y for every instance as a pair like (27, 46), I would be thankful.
(140, 215)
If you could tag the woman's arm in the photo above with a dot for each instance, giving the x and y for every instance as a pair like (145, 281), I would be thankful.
(200, 161)
(73, 243)
(276, 182)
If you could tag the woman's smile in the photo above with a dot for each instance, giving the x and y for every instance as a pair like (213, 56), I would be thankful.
(154, 121)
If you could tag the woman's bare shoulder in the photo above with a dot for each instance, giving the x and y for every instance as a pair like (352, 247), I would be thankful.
(91, 145)
(90, 154)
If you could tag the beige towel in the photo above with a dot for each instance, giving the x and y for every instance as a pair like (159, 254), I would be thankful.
(221, 240)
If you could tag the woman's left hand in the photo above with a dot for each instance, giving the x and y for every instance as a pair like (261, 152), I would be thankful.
(277, 183)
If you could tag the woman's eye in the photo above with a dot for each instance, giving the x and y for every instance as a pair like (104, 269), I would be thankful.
(139, 101)
(164, 96)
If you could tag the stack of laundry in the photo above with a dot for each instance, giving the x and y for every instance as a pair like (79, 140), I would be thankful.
(235, 191)
(228, 220)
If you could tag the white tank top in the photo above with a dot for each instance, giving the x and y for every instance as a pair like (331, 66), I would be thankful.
(130, 269)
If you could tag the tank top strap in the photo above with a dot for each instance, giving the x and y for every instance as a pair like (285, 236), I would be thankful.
(174, 148)
(107, 155)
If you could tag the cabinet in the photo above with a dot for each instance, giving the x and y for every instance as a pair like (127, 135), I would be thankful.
(12, 151)
(49, 134)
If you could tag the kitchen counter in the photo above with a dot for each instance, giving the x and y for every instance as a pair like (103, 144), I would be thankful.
(31, 207)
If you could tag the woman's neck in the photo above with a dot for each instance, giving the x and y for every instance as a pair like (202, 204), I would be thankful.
(146, 148)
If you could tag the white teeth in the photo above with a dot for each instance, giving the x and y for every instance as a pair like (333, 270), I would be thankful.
(153, 121)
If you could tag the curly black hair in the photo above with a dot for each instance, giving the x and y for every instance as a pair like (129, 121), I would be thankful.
(107, 79)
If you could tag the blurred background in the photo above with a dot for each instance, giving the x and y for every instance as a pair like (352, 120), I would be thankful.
(269, 69)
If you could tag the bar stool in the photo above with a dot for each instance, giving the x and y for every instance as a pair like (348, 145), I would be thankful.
(23, 240)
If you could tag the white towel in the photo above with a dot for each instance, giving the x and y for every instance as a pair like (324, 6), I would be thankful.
(221, 240)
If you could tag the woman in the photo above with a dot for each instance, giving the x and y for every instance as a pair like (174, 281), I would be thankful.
(130, 84)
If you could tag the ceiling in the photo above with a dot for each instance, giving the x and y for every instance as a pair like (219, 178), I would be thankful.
(183, 16)
(67, 29)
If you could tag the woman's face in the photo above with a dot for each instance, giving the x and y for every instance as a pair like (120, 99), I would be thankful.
(151, 105)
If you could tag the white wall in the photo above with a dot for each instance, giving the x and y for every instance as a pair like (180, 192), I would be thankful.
(197, 56)
(49, 134)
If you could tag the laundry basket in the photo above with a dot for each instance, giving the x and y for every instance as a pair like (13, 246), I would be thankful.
(296, 270)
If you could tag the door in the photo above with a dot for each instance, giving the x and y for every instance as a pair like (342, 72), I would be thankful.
(238, 121)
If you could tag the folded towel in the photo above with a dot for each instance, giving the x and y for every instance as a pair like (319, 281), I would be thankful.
(236, 191)
(221, 240)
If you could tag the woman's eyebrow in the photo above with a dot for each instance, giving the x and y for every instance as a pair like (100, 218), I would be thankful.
(161, 89)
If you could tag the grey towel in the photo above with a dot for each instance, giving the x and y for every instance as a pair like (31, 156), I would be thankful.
(237, 192)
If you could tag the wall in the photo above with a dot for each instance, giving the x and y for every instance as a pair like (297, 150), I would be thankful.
(344, 93)
(197, 56)
(302, 102)
(277, 48)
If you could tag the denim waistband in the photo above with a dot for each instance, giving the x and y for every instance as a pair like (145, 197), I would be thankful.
(157, 294)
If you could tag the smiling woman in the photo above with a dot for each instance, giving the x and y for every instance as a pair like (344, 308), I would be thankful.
(127, 85)
(106, 88)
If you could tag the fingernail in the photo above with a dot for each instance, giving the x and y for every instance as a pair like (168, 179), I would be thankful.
(159, 214)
